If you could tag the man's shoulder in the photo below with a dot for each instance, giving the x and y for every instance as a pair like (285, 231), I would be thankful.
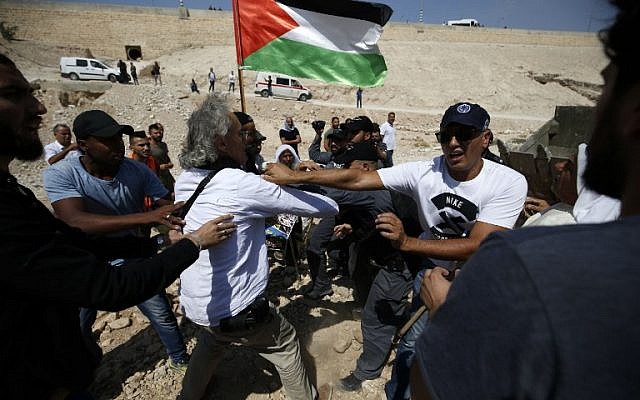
(556, 241)
(66, 166)
(53, 145)
(502, 172)
(132, 169)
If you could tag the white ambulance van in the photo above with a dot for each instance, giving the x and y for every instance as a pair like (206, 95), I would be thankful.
(76, 68)
(281, 86)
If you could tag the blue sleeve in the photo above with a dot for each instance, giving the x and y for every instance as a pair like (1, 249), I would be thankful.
(59, 183)
(153, 186)
(491, 339)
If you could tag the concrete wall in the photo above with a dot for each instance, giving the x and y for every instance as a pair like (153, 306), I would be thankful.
(107, 29)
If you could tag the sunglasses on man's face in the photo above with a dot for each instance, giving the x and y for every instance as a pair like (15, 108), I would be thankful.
(462, 134)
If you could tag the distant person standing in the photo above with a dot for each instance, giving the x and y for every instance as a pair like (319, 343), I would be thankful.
(290, 135)
(388, 132)
(134, 73)
(359, 98)
(212, 80)
(155, 72)
(269, 86)
(124, 76)
(232, 82)
(160, 151)
(62, 146)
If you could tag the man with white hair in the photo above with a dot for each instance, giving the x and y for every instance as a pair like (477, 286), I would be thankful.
(228, 301)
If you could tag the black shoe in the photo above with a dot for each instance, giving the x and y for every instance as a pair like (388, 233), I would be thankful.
(349, 384)
(317, 294)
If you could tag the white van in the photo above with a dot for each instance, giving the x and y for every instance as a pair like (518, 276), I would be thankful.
(463, 22)
(281, 86)
(87, 68)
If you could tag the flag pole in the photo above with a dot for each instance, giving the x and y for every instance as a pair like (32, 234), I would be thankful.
(239, 55)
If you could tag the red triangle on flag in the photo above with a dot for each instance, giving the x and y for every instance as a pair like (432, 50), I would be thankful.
(260, 22)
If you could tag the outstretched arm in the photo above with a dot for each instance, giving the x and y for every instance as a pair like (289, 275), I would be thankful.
(349, 179)
(73, 211)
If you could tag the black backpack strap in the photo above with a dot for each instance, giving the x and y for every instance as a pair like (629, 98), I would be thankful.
(182, 211)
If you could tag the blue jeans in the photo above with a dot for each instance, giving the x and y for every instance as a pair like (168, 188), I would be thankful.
(157, 309)
(397, 388)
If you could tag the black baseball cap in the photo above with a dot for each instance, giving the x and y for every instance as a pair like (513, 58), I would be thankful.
(259, 136)
(244, 118)
(338, 134)
(361, 123)
(362, 151)
(98, 123)
(468, 114)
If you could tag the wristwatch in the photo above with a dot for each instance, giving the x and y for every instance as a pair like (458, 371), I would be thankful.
(161, 242)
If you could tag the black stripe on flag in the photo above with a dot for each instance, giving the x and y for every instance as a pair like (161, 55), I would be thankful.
(373, 12)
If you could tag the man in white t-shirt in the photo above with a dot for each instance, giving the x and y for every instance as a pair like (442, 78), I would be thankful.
(223, 292)
(62, 146)
(232, 82)
(461, 197)
(388, 133)
(212, 80)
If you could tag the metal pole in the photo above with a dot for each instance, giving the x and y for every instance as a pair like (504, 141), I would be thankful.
(240, 56)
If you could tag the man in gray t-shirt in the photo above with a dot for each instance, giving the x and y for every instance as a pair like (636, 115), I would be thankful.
(102, 193)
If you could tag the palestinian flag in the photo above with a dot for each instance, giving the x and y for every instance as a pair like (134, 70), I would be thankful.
(328, 40)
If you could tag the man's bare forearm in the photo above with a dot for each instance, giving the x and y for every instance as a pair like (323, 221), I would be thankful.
(451, 249)
(96, 223)
(348, 179)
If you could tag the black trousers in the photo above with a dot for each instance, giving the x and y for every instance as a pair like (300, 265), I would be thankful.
(383, 314)
(316, 258)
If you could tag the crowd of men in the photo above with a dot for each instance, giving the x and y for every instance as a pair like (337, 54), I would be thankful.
(495, 312)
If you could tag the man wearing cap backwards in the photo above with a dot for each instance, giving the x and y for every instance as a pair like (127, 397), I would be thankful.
(382, 275)
(253, 142)
(552, 313)
(335, 124)
(337, 140)
(102, 193)
(460, 196)
(49, 269)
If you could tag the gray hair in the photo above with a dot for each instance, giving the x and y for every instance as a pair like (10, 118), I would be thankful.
(209, 120)
(58, 126)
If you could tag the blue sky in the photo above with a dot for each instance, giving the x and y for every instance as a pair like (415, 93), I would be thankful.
(567, 15)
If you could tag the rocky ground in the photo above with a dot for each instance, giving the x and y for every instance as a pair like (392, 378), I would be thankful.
(520, 84)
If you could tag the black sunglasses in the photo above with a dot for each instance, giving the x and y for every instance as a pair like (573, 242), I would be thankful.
(462, 134)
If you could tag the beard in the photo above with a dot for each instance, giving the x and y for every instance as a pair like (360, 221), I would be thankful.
(23, 146)
(607, 163)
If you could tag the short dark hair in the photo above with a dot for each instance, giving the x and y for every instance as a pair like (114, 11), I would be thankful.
(154, 126)
(620, 44)
(334, 118)
(56, 126)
